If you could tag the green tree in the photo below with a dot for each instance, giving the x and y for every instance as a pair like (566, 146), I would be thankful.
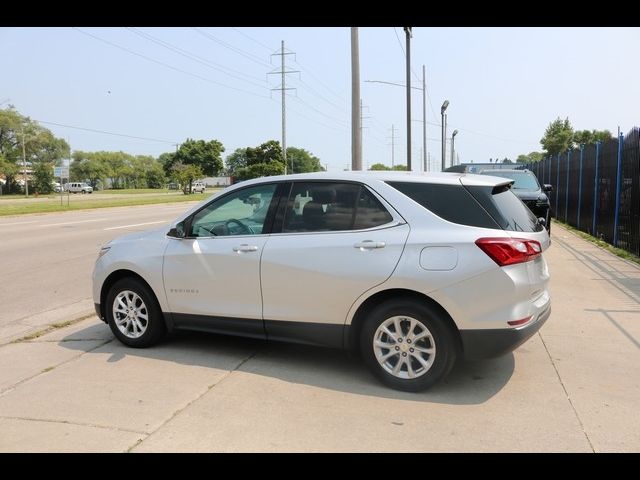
(506, 160)
(301, 161)
(379, 166)
(531, 157)
(558, 137)
(236, 161)
(399, 168)
(185, 175)
(155, 176)
(586, 137)
(262, 161)
(43, 177)
(40, 145)
(205, 155)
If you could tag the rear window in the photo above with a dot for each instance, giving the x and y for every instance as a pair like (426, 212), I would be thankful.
(522, 180)
(450, 202)
(507, 209)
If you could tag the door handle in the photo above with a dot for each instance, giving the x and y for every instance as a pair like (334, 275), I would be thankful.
(245, 248)
(369, 245)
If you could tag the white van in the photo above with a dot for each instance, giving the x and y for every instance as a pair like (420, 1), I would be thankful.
(78, 187)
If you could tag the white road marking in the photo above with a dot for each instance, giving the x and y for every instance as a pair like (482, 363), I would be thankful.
(72, 223)
(16, 223)
(136, 225)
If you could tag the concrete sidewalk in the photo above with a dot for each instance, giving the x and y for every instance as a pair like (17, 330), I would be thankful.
(574, 387)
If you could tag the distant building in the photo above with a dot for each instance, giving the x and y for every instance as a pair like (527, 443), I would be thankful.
(216, 181)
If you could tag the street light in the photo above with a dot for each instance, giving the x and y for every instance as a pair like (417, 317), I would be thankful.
(453, 139)
(444, 130)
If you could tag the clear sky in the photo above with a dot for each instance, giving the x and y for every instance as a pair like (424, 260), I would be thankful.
(504, 86)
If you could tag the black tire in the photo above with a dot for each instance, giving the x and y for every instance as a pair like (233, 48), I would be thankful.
(446, 343)
(155, 328)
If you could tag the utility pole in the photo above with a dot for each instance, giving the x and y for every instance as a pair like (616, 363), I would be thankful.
(283, 71)
(453, 148)
(393, 145)
(24, 164)
(424, 120)
(407, 31)
(356, 138)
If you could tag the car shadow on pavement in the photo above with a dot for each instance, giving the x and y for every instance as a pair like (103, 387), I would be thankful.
(469, 383)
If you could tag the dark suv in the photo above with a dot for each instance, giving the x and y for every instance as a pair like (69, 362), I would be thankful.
(527, 189)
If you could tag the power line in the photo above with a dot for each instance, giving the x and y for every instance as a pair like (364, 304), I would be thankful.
(237, 50)
(328, 89)
(253, 39)
(166, 65)
(105, 132)
(319, 95)
(337, 120)
(196, 58)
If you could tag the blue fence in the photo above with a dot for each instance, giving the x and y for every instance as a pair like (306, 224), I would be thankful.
(596, 188)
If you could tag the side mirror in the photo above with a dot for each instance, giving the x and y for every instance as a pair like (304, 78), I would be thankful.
(542, 221)
(177, 231)
(547, 188)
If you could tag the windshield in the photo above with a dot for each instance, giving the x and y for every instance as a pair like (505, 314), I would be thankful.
(522, 180)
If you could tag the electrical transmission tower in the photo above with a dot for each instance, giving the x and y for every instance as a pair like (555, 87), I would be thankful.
(283, 88)
(393, 145)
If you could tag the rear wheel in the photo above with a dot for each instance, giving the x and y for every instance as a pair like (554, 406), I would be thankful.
(133, 314)
(408, 345)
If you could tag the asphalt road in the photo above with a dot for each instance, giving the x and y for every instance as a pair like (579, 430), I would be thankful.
(46, 261)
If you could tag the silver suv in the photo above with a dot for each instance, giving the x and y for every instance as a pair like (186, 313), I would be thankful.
(413, 271)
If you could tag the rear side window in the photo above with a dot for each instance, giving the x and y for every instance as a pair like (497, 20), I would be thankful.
(450, 202)
(507, 209)
(327, 207)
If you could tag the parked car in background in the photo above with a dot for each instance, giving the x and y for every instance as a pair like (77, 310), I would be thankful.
(412, 271)
(57, 188)
(198, 187)
(78, 187)
(526, 187)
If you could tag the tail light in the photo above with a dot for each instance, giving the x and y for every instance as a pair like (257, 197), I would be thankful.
(509, 251)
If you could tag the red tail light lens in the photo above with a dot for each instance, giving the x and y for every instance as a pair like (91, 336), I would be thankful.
(509, 251)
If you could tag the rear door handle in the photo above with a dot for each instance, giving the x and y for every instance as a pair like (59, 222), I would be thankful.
(245, 248)
(369, 245)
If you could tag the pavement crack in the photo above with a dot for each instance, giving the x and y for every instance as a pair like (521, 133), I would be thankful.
(198, 397)
(67, 422)
(48, 369)
(575, 412)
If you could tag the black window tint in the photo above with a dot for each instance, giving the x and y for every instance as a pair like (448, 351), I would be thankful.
(507, 209)
(451, 202)
(370, 212)
(321, 207)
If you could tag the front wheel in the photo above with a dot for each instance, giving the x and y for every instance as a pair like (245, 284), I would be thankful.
(133, 314)
(408, 345)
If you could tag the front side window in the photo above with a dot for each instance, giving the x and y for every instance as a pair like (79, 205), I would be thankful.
(240, 213)
(329, 207)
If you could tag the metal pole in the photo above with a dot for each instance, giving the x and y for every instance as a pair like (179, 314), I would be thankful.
(444, 147)
(557, 182)
(424, 120)
(616, 217)
(24, 164)
(356, 139)
(566, 196)
(595, 192)
(580, 187)
(407, 31)
(284, 118)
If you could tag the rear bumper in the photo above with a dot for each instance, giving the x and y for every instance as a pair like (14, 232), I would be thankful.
(491, 343)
